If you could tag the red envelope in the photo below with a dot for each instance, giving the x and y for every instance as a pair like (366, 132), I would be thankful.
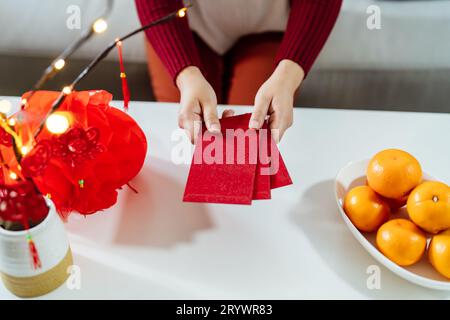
(230, 180)
(262, 179)
(233, 167)
(281, 178)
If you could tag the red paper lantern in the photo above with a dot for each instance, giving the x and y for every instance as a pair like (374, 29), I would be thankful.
(82, 168)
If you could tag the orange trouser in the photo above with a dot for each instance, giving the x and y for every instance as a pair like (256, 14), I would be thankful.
(235, 76)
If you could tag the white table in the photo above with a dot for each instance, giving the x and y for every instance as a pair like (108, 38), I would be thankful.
(151, 245)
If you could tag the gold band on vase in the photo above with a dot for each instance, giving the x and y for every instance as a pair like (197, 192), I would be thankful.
(28, 287)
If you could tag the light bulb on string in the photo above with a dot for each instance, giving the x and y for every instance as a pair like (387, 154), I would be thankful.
(13, 175)
(182, 12)
(100, 26)
(12, 122)
(24, 150)
(67, 90)
(57, 123)
(59, 64)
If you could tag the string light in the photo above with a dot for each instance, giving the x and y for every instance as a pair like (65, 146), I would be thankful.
(67, 90)
(13, 175)
(59, 64)
(182, 12)
(85, 36)
(91, 66)
(99, 26)
(5, 106)
(57, 123)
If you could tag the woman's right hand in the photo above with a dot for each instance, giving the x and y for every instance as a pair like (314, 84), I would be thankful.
(198, 102)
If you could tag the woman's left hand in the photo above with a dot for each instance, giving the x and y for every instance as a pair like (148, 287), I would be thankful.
(276, 98)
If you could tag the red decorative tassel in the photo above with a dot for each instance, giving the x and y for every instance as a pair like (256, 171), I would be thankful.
(35, 260)
(34, 254)
(123, 77)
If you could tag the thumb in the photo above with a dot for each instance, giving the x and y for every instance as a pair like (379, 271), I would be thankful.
(262, 104)
(210, 117)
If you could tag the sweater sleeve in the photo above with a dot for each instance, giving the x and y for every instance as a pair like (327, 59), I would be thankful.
(309, 25)
(173, 41)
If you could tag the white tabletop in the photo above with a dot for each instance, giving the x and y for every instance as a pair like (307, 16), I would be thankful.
(151, 245)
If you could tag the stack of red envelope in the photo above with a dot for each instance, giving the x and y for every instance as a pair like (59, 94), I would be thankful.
(237, 166)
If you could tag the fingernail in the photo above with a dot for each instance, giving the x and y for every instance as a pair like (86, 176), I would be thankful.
(253, 124)
(214, 128)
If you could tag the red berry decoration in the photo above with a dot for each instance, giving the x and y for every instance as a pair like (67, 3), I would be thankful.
(22, 203)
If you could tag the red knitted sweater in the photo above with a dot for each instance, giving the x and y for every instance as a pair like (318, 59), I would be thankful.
(309, 25)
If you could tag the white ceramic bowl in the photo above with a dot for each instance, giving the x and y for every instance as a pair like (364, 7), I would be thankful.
(422, 273)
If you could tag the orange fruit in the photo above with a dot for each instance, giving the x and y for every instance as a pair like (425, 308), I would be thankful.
(429, 206)
(401, 241)
(439, 253)
(393, 173)
(365, 208)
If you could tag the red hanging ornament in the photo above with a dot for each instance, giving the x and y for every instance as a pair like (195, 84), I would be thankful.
(123, 77)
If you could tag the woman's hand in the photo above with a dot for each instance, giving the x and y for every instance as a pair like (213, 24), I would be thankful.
(198, 101)
(276, 98)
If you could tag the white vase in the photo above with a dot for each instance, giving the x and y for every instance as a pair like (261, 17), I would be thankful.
(51, 241)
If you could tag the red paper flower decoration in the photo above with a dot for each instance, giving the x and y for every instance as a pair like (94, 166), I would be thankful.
(83, 168)
(35, 162)
(77, 146)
